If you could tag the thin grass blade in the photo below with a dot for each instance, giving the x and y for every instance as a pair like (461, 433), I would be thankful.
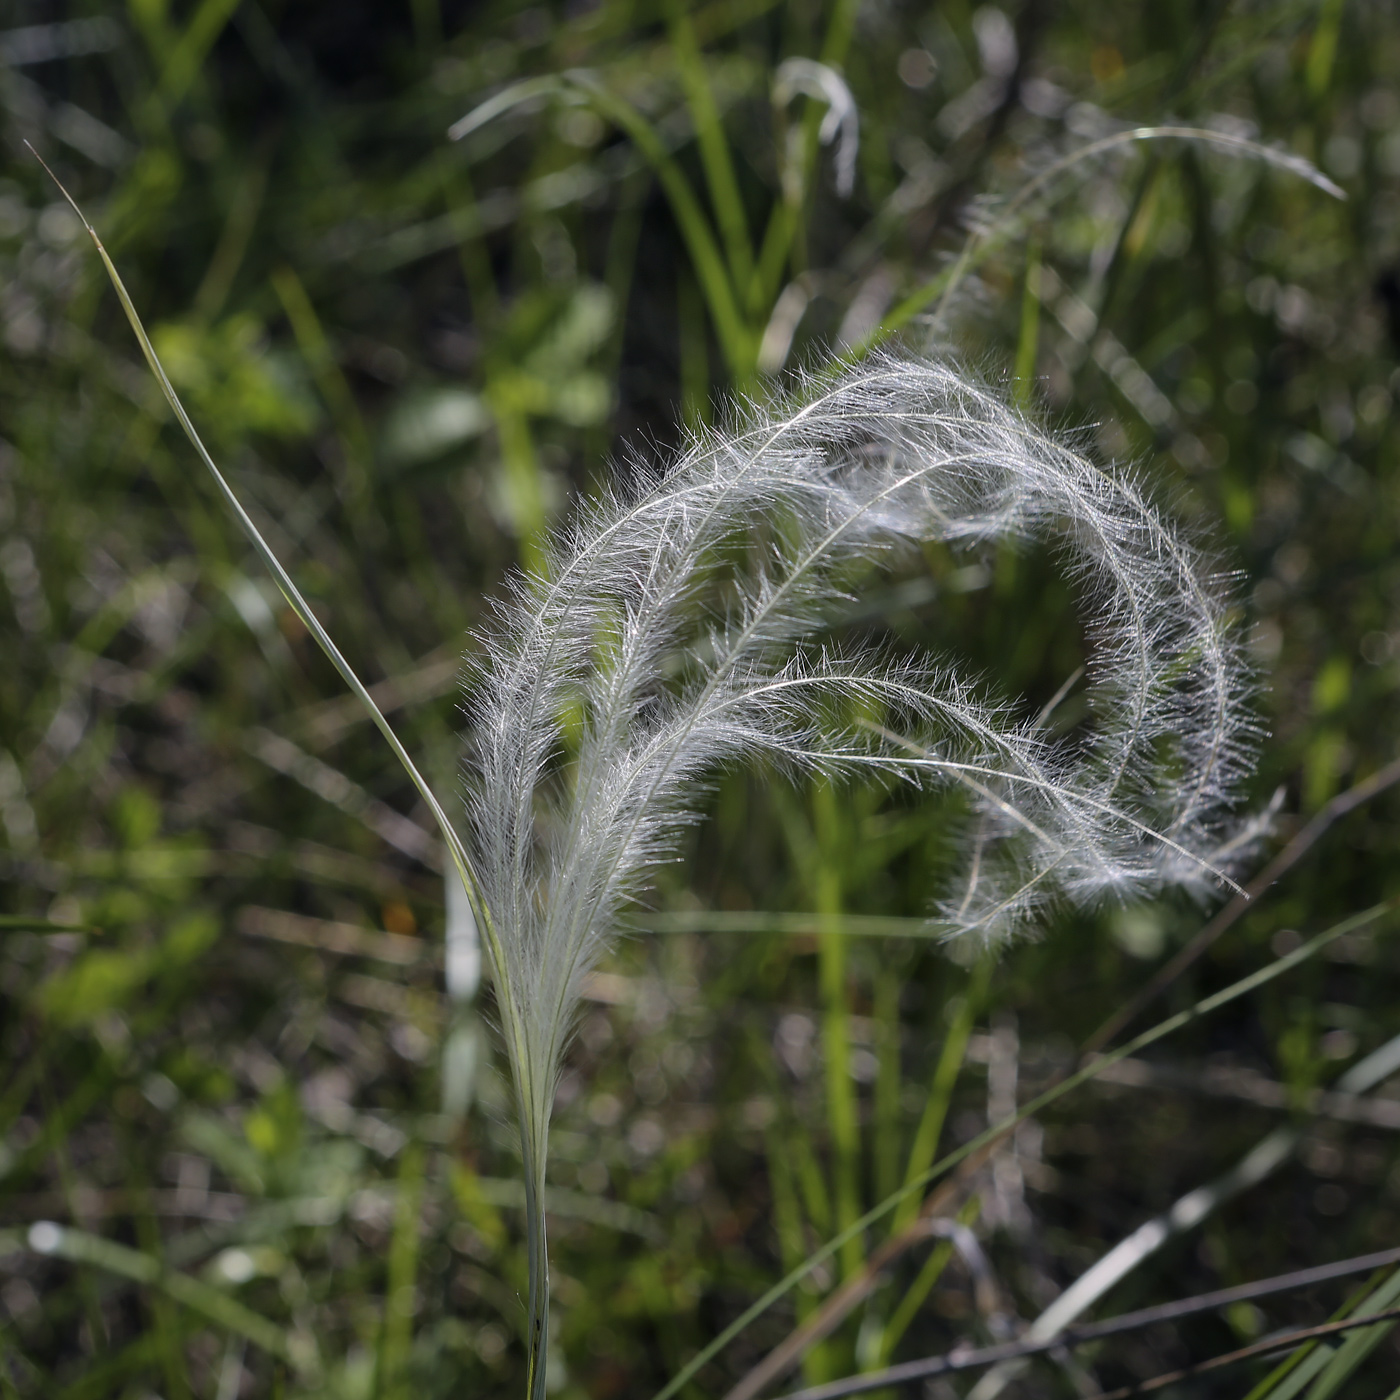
(1204, 1007)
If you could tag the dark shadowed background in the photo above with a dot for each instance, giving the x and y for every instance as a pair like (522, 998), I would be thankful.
(249, 1143)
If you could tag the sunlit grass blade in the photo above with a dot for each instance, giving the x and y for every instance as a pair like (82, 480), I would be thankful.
(506, 1004)
(737, 339)
(940, 1092)
(714, 148)
(516, 95)
(287, 587)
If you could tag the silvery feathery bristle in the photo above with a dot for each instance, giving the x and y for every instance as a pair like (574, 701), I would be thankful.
(674, 633)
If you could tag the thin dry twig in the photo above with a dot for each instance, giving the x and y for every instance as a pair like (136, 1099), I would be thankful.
(333, 936)
(836, 1308)
(434, 675)
(1339, 807)
(1249, 1086)
(1286, 1342)
(965, 1360)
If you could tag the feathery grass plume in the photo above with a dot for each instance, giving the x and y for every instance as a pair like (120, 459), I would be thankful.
(674, 632)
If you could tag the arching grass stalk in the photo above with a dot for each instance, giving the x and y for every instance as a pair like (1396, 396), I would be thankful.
(985, 239)
(740, 293)
(676, 627)
(508, 1010)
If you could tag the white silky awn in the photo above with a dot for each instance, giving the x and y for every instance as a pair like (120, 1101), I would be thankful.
(674, 633)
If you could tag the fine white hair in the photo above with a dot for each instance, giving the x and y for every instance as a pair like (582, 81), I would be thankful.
(674, 633)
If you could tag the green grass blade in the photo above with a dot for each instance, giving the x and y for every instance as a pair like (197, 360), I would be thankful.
(61, 1119)
(300, 607)
(945, 1077)
(103, 1379)
(1204, 1007)
(190, 51)
(842, 1111)
(1288, 1378)
(80, 1247)
(784, 219)
(737, 339)
(787, 1210)
(714, 149)
(523, 480)
(1293, 1374)
(913, 1299)
(511, 1021)
(23, 923)
(1353, 1352)
(887, 1136)
(396, 1338)
(839, 30)
(773, 254)
(289, 590)
(1322, 52)
(334, 390)
(983, 242)
(694, 348)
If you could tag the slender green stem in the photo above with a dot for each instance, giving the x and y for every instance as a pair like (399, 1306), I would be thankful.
(524, 490)
(1028, 340)
(334, 390)
(737, 340)
(841, 1108)
(534, 1131)
(714, 149)
(888, 983)
(913, 1298)
(787, 1212)
(530, 1093)
(396, 1333)
(695, 360)
(785, 220)
(945, 1076)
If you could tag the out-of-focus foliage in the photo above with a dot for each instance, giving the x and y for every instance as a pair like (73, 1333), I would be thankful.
(226, 1030)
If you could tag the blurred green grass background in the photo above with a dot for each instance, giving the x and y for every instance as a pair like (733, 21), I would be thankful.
(230, 1060)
